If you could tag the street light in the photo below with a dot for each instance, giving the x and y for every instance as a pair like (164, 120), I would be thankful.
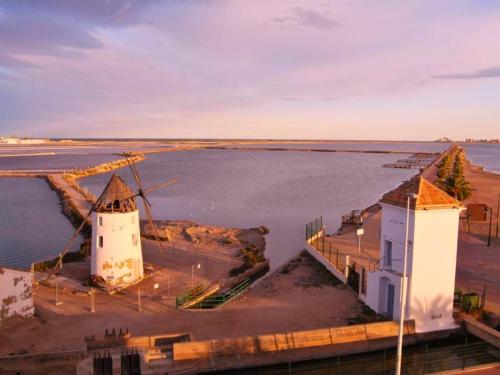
(192, 272)
(403, 286)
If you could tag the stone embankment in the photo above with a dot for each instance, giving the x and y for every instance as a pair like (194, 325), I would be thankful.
(296, 149)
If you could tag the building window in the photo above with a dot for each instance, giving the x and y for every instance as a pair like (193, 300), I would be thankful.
(388, 254)
(134, 239)
(100, 220)
(132, 219)
(101, 241)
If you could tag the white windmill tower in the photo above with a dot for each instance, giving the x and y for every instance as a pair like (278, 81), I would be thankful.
(116, 245)
(116, 241)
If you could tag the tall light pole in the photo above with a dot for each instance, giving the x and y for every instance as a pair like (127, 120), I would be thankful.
(403, 286)
(498, 215)
(192, 272)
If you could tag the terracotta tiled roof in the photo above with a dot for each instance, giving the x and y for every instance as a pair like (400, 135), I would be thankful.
(116, 197)
(429, 196)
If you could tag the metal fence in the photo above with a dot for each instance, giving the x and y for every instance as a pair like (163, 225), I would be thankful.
(190, 294)
(213, 301)
(334, 256)
(455, 354)
(314, 227)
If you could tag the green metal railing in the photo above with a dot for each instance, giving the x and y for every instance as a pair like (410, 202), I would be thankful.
(213, 301)
(190, 294)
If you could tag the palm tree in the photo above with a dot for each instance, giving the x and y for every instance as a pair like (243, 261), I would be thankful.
(458, 187)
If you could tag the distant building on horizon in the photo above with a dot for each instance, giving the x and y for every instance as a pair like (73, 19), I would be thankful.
(13, 140)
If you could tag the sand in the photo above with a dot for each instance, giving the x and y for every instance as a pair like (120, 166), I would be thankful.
(303, 296)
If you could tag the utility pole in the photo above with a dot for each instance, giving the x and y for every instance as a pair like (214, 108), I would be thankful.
(489, 229)
(192, 273)
(92, 305)
(403, 287)
(57, 302)
(139, 300)
(168, 286)
(498, 211)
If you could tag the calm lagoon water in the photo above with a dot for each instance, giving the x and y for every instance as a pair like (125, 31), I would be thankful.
(486, 155)
(281, 190)
(32, 226)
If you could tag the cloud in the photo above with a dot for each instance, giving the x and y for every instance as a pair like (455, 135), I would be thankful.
(300, 16)
(483, 73)
(57, 28)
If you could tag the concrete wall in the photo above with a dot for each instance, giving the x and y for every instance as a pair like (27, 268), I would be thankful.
(482, 331)
(119, 261)
(283, 342)
(16, 293)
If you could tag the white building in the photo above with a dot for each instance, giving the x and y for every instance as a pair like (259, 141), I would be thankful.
(25, 141)
(116, 240)
(432, 253)
(16, 293)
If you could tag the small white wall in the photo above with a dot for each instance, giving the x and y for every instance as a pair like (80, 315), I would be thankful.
(119, 261)
(16, 293)
(376, 295)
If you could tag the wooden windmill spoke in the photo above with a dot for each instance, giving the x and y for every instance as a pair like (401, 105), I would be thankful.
(134, 172)
(68, 246)
(150, 219)
(161, 186)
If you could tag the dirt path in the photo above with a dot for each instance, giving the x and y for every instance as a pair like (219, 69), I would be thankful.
(302, 296)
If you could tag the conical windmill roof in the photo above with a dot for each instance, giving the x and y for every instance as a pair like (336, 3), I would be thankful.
(429, 196)
(116, 197)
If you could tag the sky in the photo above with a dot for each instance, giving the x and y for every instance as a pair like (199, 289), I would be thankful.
(374, 69)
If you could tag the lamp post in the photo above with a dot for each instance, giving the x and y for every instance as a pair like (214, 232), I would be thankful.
(403, 286)
(498, 214)
(489, 228)
(192, 272)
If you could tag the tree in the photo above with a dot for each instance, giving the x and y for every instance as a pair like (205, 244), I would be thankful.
(458, 187)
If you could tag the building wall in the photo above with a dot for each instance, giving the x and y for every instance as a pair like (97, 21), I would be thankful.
(16, 293)
(432, 281)
(393, 229)
(432, 252)
(119, 260)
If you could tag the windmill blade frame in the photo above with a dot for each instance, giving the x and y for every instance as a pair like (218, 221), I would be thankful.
(153, 226)
(68, 245)
(147, 205)
(161, 185)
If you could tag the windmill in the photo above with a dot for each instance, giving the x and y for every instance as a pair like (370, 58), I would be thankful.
(116, 246)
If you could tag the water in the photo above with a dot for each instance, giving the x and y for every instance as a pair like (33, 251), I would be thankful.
(455, 353)
(486, 155)
(51, 162)
(281, 190)
(32, 226)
